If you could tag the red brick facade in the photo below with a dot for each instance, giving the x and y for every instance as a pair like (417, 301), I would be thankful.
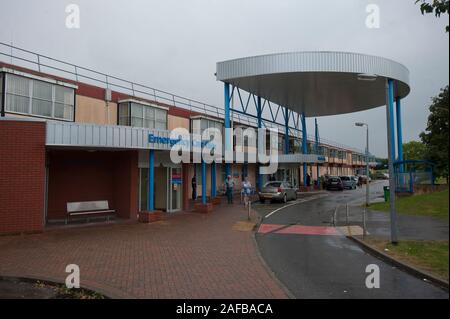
(22, 176)
(89, 176)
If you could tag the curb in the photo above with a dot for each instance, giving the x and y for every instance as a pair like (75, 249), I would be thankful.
(420, 274)
(86, 285)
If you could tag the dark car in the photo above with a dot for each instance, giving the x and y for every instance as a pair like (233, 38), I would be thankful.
(335, 183)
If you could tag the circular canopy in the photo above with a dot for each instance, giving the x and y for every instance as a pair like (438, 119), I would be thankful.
(317, 83)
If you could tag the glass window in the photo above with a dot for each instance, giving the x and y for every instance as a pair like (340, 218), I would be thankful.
(17, 94)
(29, 96)
(1, 90)
(144, 116)
(124, 114)
(64, 103)
(42, 98)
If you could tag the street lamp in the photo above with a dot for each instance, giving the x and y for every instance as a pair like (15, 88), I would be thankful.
(367, 161)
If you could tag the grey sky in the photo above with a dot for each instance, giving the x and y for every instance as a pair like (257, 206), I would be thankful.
(173, 45)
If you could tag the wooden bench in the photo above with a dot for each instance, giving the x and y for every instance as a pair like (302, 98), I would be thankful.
(88, 209)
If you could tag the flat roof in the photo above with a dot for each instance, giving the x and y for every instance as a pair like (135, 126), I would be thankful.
(317, 83)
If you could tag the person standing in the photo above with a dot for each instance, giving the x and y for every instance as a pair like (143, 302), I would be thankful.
(308, 180)
(247, 189)
(194, 188)
(229, 185)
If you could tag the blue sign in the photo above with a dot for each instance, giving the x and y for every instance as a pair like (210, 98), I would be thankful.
(152, 138)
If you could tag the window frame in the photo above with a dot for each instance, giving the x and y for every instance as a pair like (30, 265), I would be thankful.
(145, 107)
(31, 98)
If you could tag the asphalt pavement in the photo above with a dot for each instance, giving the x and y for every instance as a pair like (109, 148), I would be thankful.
(312, 264)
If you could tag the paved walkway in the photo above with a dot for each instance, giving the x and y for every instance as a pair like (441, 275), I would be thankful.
(185, 256)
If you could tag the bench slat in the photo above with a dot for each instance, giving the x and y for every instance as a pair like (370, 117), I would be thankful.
(91, 213)
(87, 206)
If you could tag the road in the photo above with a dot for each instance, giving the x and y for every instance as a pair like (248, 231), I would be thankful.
(314, 262)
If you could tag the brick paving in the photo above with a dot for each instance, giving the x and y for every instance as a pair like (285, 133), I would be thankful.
(187, 255)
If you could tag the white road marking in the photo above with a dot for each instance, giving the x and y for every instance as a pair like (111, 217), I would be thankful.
(298, 201)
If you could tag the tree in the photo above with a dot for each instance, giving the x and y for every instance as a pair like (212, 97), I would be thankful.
(414, 151)
(437, 6)
(435, 137)
(382, 164)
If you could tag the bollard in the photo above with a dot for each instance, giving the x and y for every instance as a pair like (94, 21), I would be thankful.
(335, 216)
(364, 223)
(346, 214)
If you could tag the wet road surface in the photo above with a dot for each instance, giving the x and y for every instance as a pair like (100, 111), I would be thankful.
(314, 265)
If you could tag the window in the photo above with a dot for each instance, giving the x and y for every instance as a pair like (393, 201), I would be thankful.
(199, 125)
(1, 91)
(141, 115)
(39, 98)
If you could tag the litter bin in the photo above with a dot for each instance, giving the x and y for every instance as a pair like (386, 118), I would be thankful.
(387, 193)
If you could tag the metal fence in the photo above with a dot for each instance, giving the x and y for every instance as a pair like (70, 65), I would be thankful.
(42, 63)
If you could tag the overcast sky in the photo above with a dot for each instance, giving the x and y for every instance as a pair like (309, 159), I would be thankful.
(174, 45)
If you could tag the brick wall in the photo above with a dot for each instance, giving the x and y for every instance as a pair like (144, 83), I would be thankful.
(22, 176)
(76, 176)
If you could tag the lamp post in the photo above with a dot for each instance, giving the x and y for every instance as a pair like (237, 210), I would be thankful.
(367, 162)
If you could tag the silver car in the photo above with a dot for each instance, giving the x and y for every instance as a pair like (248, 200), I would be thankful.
(348, 182)
(278, 191)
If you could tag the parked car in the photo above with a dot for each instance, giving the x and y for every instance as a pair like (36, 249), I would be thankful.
(278, 191)
(364, 179)
(334, 182)
(348, 182)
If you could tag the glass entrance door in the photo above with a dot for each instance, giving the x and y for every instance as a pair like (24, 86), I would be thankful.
(174, 189)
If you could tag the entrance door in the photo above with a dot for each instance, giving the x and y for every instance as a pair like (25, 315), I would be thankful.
(174, 189)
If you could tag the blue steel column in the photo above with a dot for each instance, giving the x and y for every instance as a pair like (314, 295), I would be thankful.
(399, 131)
(286, 130)
(203, 182)
(213, 179)
(391, 156)
(151, 181)
(317, 151)
(259, 115)
(227, 125)
(304, 147)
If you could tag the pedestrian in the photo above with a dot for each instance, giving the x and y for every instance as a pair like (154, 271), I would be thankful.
(308, 180)
(229, 186)
(194, 188)
(360, 181)
(246, 189)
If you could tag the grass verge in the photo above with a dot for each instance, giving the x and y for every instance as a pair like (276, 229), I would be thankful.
(432, 205)
(429, 256)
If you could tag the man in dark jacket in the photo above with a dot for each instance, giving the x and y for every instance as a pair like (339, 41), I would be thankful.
(194, 188)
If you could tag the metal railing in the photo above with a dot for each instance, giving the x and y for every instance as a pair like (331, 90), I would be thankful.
(43, 63)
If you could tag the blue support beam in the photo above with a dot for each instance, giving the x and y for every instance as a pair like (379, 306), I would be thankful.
(392, 117)
(227, 124)
(286, 130)
(317, 151)
(203, 182)
(391, 156)
(259, 116)
(399, 131)
(151, 181)
(304, 147)
(213, 180)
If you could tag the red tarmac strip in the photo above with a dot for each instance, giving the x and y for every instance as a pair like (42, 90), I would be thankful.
(299, 230)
